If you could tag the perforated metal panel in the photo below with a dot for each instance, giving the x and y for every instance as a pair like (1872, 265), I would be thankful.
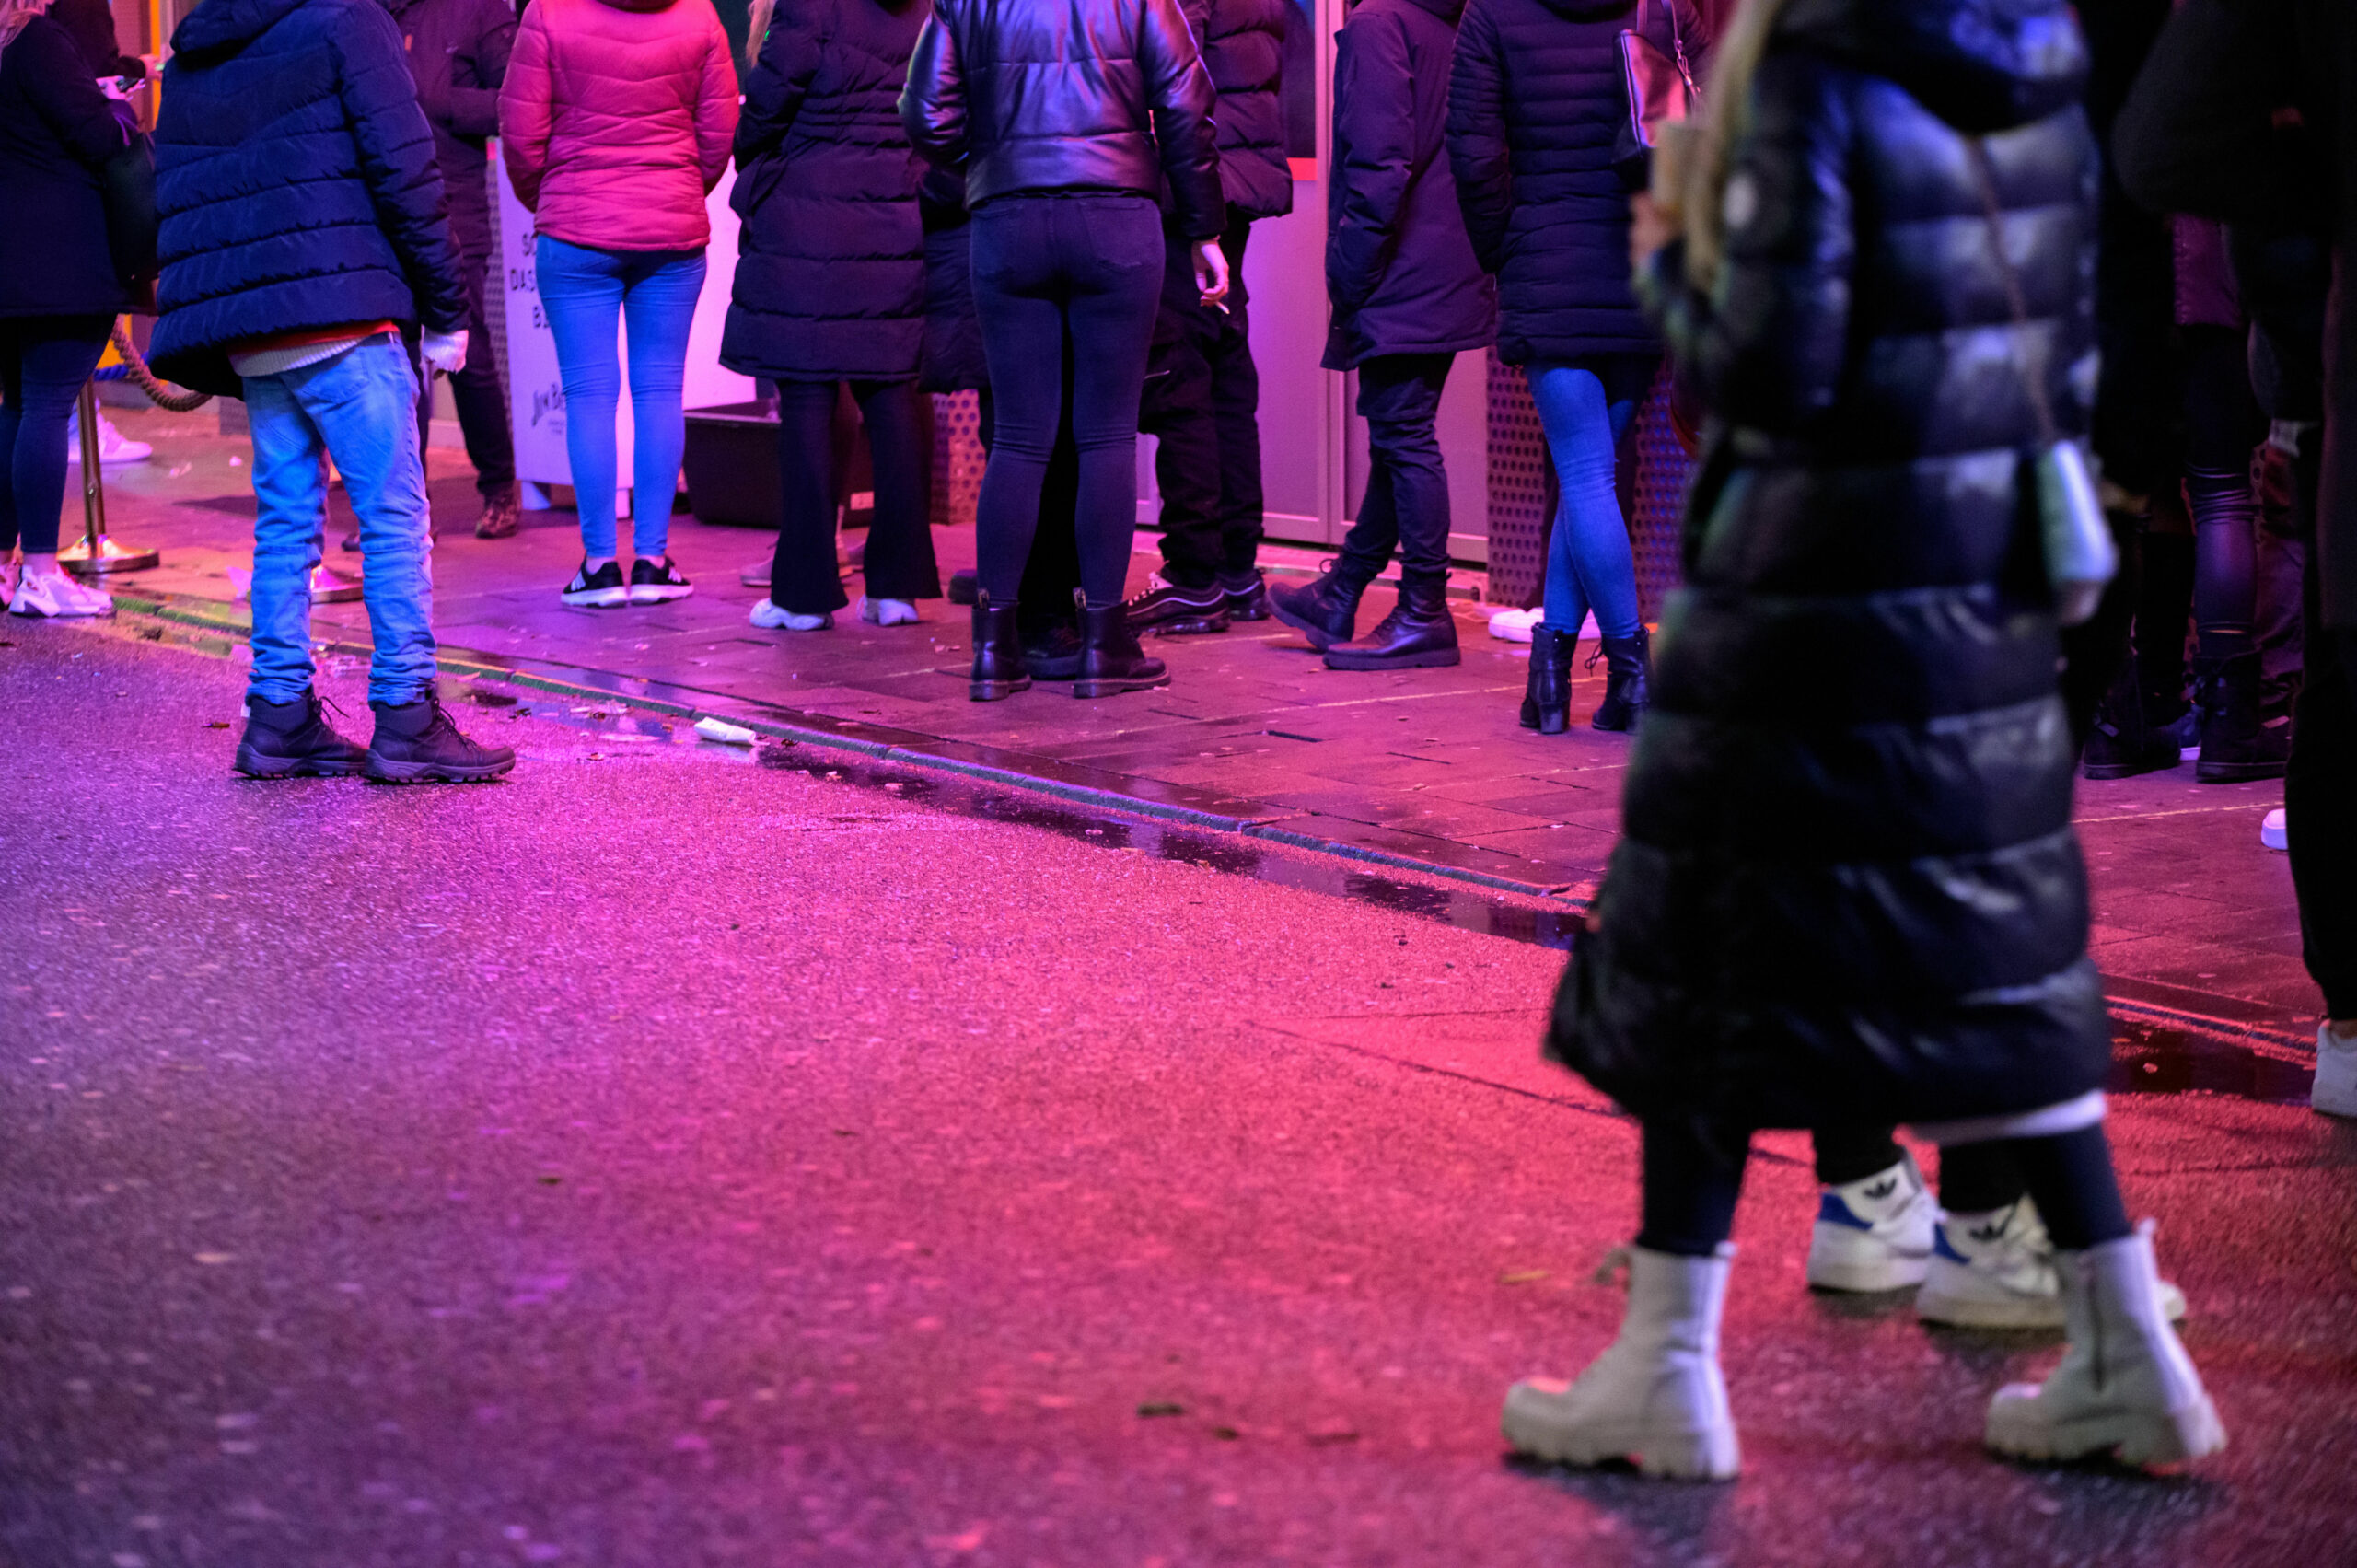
(1518, 487)
(1663, 471)
(957, 458)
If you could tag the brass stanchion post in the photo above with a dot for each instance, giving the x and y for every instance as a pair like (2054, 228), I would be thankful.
(94, 554)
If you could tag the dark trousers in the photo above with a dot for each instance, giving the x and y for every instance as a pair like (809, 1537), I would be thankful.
(1406, 505)
(899, 564)
(1203, 404)
(43, 362)
(1051, 271)
(1052, 572)
(2320, 806)
(482, 408)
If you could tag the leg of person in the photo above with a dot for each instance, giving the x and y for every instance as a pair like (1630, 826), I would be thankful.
(1400, 395)
(1573, 414)
(2126, 1386)
(2222, 427)
(1326, 609)
(1611, 586)
(899, 568)
(1874, 1213)
(806, 589)
(1111, 249)
(54, 358)
(1236, 410)
(12, 411)
(286, 734)
(482, 414)
(2317, 794)
(659, 304)
(1656, 1395)
(1047, 618)
(581, 290)
(1176, 409)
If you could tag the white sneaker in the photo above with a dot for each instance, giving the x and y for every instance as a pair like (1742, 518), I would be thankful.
(1995, 1269)
(1515, 626)
(55, 594)
(1876, 1233)
(2272, 832)
(770, 618)
(2126, 1386)
(1655, 1395)
(2335, 1093)
(113, 446)
(886, 612)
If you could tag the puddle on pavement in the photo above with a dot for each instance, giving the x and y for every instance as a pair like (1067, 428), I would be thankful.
(2155, 1059)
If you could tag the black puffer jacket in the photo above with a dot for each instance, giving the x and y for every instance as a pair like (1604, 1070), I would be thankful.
(1535, 102)
(1849, 889)
(57, 130)
(1244, 50)
(831, 260)
(1399, 271)
(1084, 95)
(953, 332)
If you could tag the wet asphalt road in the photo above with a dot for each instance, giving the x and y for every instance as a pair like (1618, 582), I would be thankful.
(664, 1159)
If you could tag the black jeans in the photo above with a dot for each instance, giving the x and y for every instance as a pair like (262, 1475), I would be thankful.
(2320, 805)
(1406, 505)
(1051, 271)
(803, 577)
(1051, 573)
(482, 408)
(1203, 404)
(43, 362)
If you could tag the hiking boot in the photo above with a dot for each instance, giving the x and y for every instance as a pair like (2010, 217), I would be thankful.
(1247, 594)
(501, 515)
(2237, 744)
(293, 741)
(1874, 1234)
(1419, 633)
(1627, 684)
(1325, 611)
(1174, 610)
(417, 743)
(1111, 660)
(1547, 699)
(998, 672)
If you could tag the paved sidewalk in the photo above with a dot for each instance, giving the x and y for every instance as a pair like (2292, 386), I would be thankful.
(2195, 920)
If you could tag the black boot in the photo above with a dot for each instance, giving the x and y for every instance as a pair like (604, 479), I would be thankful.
(1546, 701)
(1627, 682)
(1325, 611)
(288, 741)
(2125, 741)
(1111, 660)
(998, 653)
(416, 743)
(2237, 744)
(1419, 633)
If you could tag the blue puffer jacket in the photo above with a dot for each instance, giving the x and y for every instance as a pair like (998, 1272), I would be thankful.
(296, 184)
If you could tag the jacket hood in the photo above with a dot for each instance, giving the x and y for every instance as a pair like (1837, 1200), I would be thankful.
(1982, 66)
(224, 27)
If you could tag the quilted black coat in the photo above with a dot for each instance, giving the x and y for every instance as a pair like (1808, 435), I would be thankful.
(1244, 50)
(1849, 889)
(1536, 104)
(831, 260)
(57, 130)
(296, 184)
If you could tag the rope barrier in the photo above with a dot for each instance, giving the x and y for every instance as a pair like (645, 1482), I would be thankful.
(162, 395)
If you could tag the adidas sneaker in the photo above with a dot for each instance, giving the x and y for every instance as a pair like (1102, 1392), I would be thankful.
(1874, 1234)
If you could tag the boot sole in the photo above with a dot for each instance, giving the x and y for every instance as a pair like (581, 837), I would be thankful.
(384, 770)
(253, 765)
(2135, 1437)
(1436, 659)
(1320, 638)
(2238, 772)
(1116, 688)
(1676, 1456)
(2126, 769)
(995, 690)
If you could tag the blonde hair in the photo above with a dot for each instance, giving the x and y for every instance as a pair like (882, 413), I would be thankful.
(756, 28)
(15, 14)
(1726, 120)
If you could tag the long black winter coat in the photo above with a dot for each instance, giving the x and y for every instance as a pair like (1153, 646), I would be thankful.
(56, 131)
(1535, 104)
(297, 182)
(1399, 271)
(1244, 50)
(953, 332)
(1849, 889)
(830, 262)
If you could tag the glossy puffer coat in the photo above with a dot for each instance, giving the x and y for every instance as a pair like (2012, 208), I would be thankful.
(830, 258)
(1086, 94)
(1244, 48)
(1849, 889)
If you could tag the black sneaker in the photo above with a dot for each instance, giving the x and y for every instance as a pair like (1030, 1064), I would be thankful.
(1174, 610)
(1247, 594)
(658, 582)
(417, 743)
(600, 589)
(293, 741)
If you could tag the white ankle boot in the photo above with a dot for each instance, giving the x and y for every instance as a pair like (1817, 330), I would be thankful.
(2125, 1385)
(1655, 1395)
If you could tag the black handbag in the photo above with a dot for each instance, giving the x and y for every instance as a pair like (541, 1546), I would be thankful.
(127, 187)
(1660, 90)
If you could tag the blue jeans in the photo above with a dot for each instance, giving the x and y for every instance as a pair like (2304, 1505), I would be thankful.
(588, 294)
(360, 407)
(1586, 408)
(43, 362)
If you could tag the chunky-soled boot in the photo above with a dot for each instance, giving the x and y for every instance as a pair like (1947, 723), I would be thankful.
(1419, 633)
(1629, 679)
(2125, 742)
(1655, 1395)
(2237, 744)
(1325, 611)
(291, 740)
(2126, 1386)
(1547, 699)
(1111, 660)
(418, 743)
(998, 670)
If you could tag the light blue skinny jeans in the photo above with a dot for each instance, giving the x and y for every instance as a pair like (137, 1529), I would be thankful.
(361, 408)
(1586, 408)
(588, 295)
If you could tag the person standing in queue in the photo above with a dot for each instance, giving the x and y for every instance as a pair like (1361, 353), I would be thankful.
(1066, 121)
(1409, 296)
(829, 289)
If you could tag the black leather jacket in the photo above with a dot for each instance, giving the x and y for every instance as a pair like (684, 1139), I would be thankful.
(1093, 95)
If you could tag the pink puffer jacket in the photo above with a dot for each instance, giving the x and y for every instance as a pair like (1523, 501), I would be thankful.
(616, 118)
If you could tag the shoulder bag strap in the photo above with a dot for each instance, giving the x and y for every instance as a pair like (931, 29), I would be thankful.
(1984, 179)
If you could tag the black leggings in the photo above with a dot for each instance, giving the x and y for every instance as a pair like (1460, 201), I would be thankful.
(1694, 1174)
(803, 576)
(43, 362)
(2223, 425)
